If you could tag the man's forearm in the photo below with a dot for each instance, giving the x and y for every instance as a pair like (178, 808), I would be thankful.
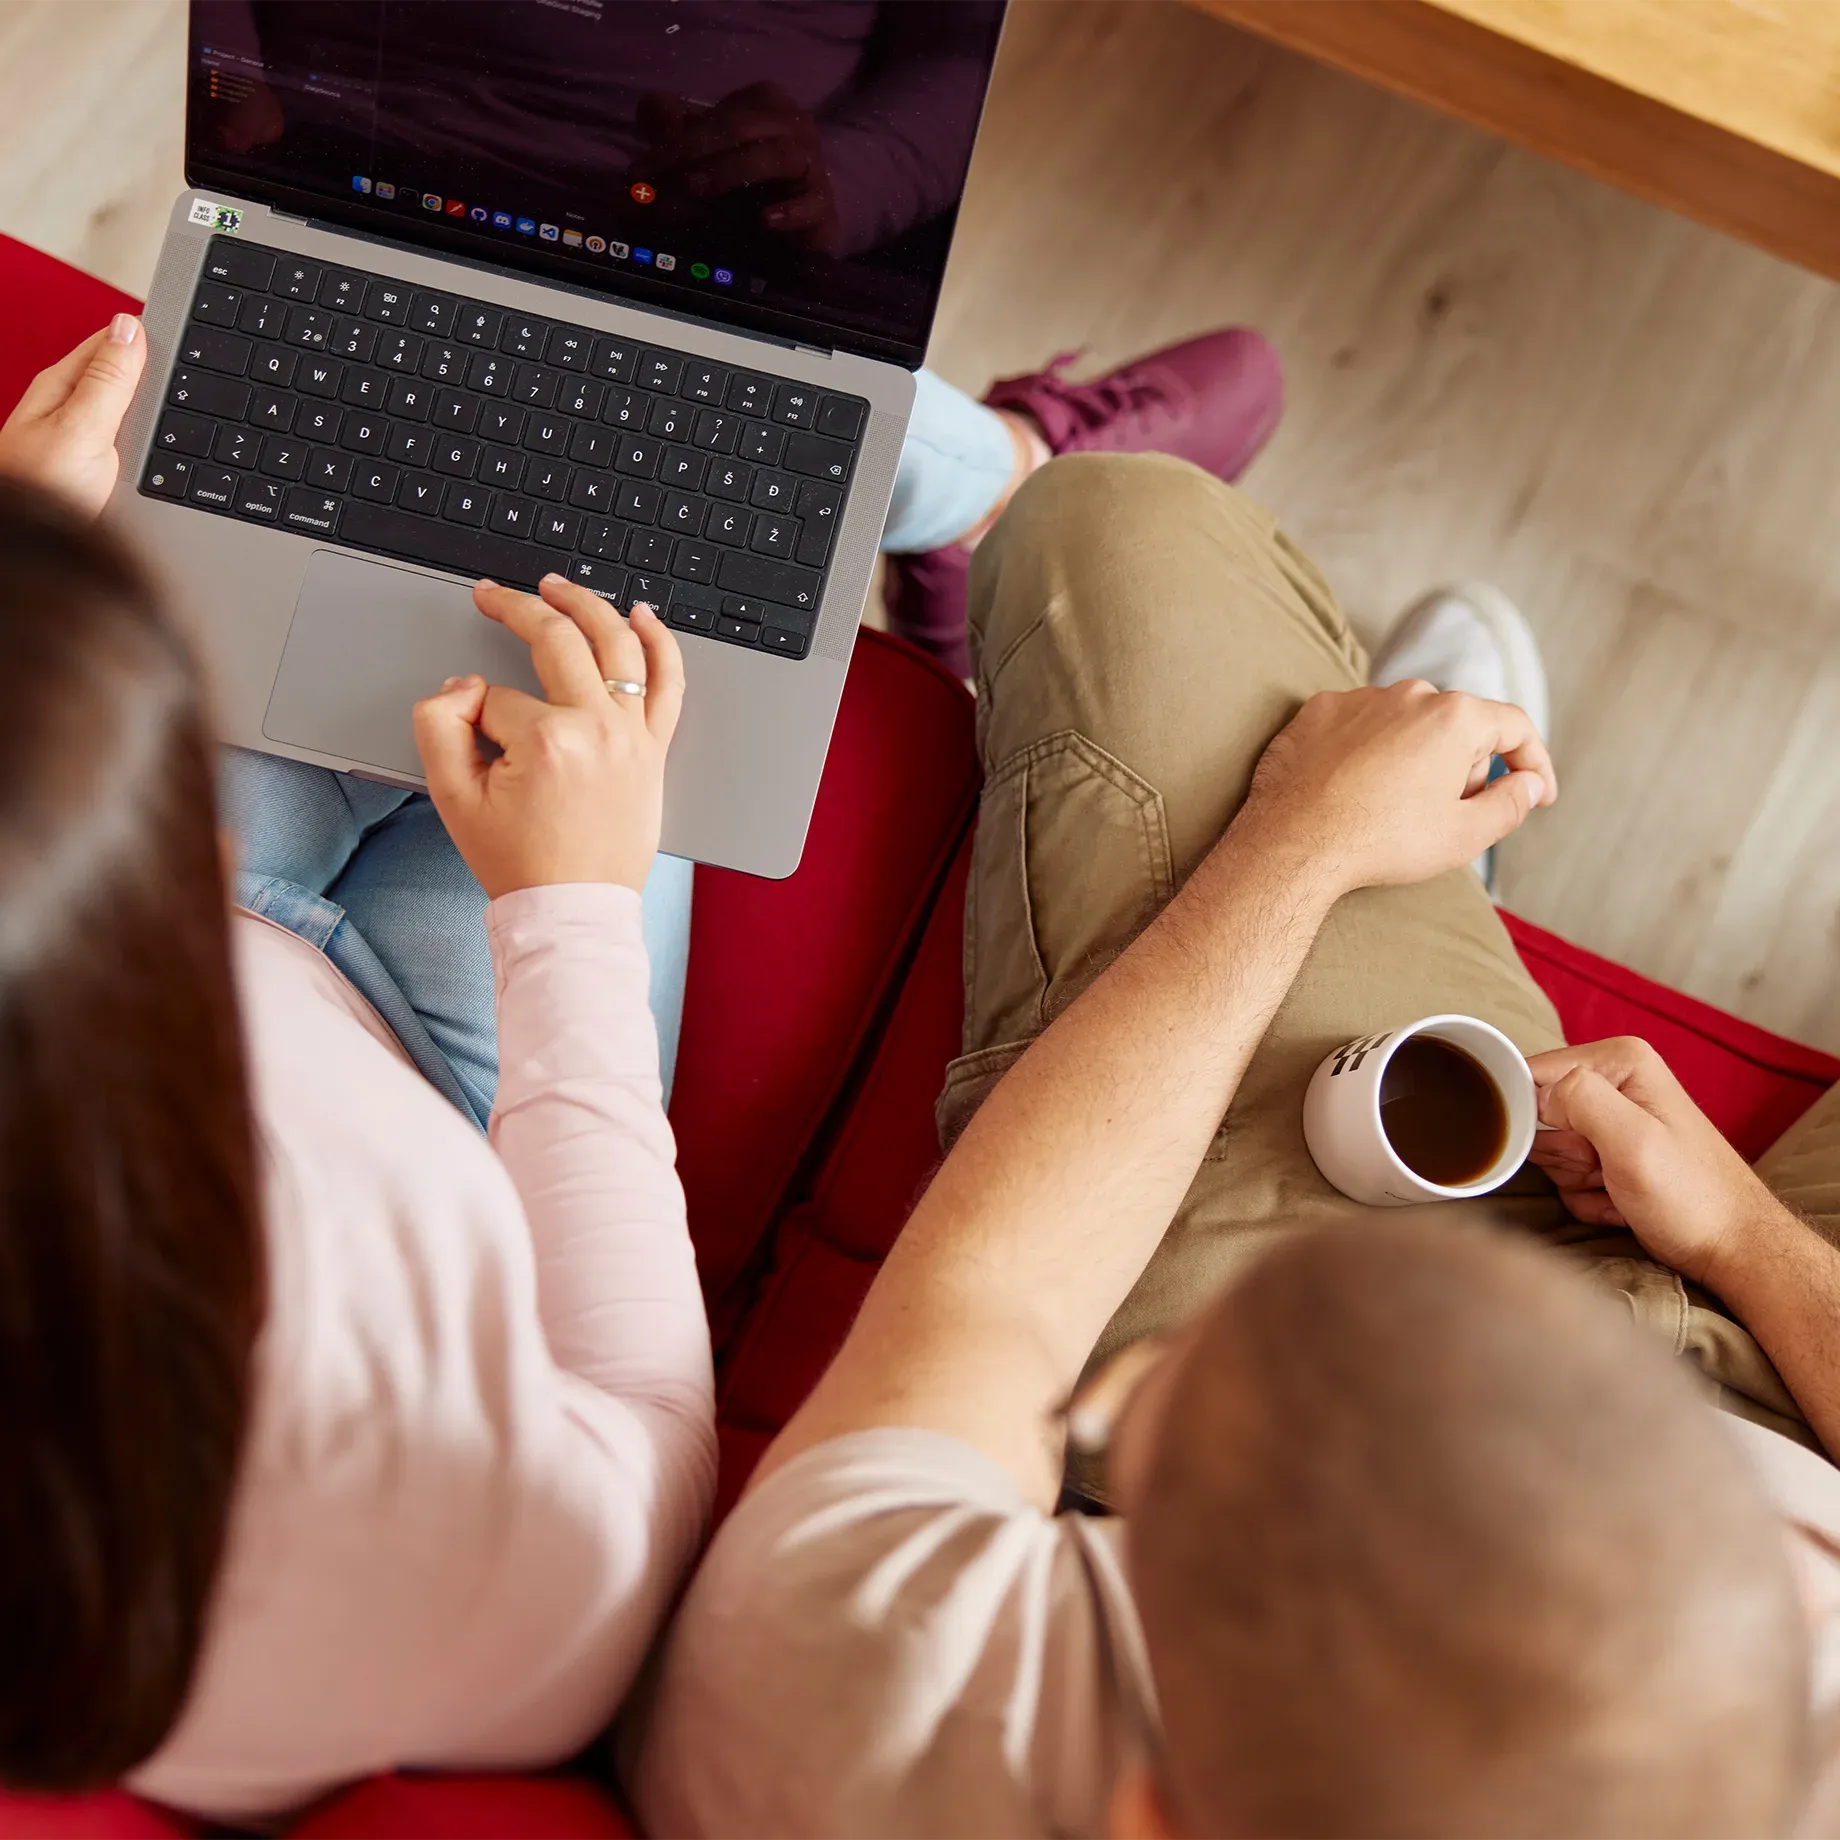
(1063, 1184)
(1781, 1278)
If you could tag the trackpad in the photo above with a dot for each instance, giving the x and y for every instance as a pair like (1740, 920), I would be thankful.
(370, 640)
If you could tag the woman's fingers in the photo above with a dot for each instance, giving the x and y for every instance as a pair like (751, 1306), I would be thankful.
(446, 725)
(104, 387)
(664, 672)
(559, 649)
(617, 653)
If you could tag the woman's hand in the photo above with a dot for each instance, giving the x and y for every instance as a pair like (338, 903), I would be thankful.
(1630, 1149)
(577, 792)
(62, 435)
(1390, 786)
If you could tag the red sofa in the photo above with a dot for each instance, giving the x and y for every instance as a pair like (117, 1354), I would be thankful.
(820, 1014)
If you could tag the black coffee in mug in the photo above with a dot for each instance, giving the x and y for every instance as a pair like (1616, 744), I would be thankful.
(1441, 1112)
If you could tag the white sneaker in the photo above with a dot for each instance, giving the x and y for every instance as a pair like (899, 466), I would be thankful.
(1471, 637)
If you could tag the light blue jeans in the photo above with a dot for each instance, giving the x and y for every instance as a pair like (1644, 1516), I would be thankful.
(368, 874)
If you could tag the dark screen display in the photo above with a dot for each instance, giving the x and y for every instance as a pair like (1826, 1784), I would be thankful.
(774, 162)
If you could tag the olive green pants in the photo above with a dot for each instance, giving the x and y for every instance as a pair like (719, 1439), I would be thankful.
(1140, 632)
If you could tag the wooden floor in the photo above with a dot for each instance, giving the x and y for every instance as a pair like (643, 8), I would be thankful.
(1497, 368)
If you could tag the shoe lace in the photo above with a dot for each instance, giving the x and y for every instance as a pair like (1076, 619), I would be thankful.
(1105, 398)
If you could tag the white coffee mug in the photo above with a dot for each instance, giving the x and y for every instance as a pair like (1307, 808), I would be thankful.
(1341, 1113)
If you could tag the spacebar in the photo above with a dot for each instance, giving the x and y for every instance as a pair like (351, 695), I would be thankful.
(447, 546)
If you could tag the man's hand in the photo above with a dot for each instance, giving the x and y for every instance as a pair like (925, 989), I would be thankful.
(62, 435)
(576, 791)
(1629, 1148)
(1390, 786)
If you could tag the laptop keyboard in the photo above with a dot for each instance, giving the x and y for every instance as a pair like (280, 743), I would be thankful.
(444, 431)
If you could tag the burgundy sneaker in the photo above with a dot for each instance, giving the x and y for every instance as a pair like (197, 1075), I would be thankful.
(1214, 400)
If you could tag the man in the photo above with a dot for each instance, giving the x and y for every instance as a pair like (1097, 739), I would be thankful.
(1418, 1536)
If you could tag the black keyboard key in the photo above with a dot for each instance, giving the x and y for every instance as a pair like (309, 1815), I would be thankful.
(569, 348)
(841, 417)
(365, 434)
(536, 386)
(342, 291)
(260, 500)
(387, 301)
(236, 447)
(593, 491)
(319, 376)
(353, 339)
(684, 468)
(751, 395)
(695, 561)
(592, 446)
(216, 305)
(365, 389)
(605, 537)
(458, 455)
(660, 370)
(401, 351)
(211, 485)
(409, 445)
(455, 413)
(744, 573)
(615, 360)
(774, 536)
(763, 443)
(547, 479)
(730, 480)
(637, 502)
(168, 475)
(271, 410)
(433, 313)
(466, 503)
(470, 553)
(275, 366)
(581, 396)
(284, 457)
(205, 394)
(238, 264)
(817, 458)
(410, 398)
(607, 579)
(773, 491)
(215, 351)
(262, 316)
(649, 549)
(501, 422)
(752, 607)
(626, 408)
(522, 336)
(557, 527)
(295, 279)
(477, 325)
(330, 471)
(693, 618)
(738, 632)
(781, 639)
(446, 363)
(376, 480)
(512, 517)
(502, 467)
(729, 524)
(818, 500)
(546, 434)
(309, 328)
(490, 374)
(795, 405)
(182, 433)
(420, 492)
(682, 513)
(813, 548)
(717, 431)
(654, 590)
(671, 420)
(637, 457)
(689, 594)
(703, 383)
(307, 509)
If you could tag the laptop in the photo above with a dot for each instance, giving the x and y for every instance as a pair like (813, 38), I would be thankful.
(632, 290)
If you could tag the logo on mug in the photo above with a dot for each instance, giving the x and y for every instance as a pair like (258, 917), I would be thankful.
(1348, 1059)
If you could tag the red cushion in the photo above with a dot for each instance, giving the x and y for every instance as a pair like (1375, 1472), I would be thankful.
(470, 1807)
(109, 1814)
(46, 308)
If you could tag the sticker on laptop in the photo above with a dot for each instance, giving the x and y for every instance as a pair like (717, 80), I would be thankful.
(224, 218)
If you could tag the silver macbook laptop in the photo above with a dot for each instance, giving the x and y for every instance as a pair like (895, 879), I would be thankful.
(627, 289)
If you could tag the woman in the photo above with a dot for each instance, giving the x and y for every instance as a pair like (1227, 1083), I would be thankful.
(336, 1437)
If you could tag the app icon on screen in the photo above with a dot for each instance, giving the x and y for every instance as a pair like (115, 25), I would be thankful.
(527, 226)
(479, 214)
(642, 255)
(385, 189)
(619, 251)
(360, 184)
(548, 232)
(663, 261)
(700, 270)
(501, 220)
(597, 245)
(455, 208)
(642, 193)
(725, 277)
(431, 201)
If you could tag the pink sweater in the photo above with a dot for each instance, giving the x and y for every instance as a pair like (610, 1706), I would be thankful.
(482, 1447)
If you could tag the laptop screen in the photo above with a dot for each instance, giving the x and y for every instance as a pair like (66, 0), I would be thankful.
(793, 165)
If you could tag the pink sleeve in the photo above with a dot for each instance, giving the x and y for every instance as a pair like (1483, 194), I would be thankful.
(580, 1126)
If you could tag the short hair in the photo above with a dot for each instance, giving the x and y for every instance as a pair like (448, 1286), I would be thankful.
(1432, 1541)
(131, 1256)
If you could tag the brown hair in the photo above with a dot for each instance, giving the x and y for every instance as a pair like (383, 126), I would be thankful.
(1433, 1542)
(130, 1256)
